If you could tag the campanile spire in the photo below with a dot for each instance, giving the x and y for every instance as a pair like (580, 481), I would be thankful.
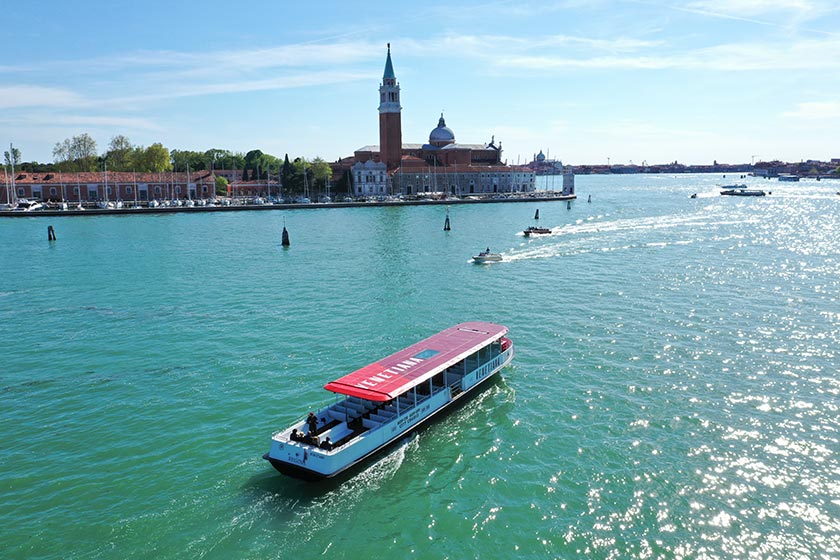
(390, 121)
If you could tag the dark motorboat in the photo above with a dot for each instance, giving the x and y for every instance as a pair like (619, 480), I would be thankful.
(534, 230)
(743, 192)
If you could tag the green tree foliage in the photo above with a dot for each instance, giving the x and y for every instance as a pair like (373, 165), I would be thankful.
(35, 167)
(293, 183)
(76, 154)
(286, 172)
(188, 159)
(261, 165)
(221, 186)
(321, 173)
(154, 159)
(224, 159)
(119, 154)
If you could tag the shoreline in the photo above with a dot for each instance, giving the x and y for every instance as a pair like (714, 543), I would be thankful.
(265, 207)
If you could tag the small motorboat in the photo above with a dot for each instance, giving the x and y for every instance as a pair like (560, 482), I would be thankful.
(534, 230)
(737, 186)
(487, 257)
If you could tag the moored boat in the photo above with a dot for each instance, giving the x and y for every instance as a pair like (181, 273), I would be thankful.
(534, 230)
(389, 398)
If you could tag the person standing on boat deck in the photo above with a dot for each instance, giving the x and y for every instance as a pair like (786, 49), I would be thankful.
(312, 421)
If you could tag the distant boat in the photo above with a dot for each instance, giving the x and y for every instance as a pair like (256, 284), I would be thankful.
(534, 230)
(788, 178)
(487, 257)
(739, 186)
(743, 192)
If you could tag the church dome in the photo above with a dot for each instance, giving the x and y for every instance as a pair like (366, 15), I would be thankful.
(540, 157)
(441, 135)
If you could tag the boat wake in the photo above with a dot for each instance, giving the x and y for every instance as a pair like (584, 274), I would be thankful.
(597, 235)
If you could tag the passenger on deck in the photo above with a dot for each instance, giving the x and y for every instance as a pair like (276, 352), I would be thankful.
(327, 444)
(307, 439)
(312, 422)
(315, 440)
(295, 435)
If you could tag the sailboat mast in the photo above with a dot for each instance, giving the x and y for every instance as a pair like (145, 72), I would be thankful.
(12, 164)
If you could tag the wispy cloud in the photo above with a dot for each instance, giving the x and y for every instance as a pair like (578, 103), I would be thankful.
(783, 14)
(803, 8)
(808, 54)
(49, 119)
(37, 96)
(815, 110)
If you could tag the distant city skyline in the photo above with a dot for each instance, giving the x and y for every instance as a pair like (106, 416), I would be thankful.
(585, 82)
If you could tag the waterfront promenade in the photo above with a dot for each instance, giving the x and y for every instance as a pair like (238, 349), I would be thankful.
(538, 196)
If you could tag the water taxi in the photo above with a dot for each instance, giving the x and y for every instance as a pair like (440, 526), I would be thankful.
(534, 230)
(743, 192)
(382, 402)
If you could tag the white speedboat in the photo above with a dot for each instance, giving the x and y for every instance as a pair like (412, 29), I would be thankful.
(25, 205)
(487, 257)
(386, 400)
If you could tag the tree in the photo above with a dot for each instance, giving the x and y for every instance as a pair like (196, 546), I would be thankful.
(119, 154)
(12, 158)
(183, 159)
(253, 158)
(321, 173)
(154, 159)
(286, 172)
(221, 186)
(76, 154)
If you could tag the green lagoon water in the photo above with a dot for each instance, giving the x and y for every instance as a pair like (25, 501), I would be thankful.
(674, 394)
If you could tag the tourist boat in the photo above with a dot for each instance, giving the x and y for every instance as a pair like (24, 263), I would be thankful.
(487, 257)
(534, 230)
(789, 178)
(386, 400)
(743, 192)
(738, 186)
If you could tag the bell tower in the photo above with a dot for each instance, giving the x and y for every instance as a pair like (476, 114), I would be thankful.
(390, 122)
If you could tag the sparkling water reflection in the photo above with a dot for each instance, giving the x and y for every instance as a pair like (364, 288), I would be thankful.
(674, 393)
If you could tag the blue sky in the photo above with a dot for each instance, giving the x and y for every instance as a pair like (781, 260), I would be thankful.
(692, 81)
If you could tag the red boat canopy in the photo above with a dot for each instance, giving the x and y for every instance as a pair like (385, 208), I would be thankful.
(390, 377)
